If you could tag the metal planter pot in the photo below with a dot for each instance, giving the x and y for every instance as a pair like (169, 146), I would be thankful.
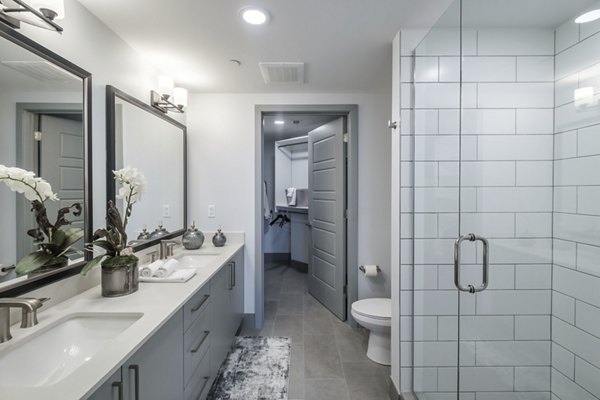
(120, 280)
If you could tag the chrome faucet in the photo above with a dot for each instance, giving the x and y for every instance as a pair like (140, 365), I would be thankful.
(166, 248)
(29, 309)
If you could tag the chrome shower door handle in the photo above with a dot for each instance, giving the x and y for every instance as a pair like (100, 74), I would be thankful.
(471, 237)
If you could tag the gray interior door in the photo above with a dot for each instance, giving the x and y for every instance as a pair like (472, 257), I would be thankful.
(61, 164)
(326, 213)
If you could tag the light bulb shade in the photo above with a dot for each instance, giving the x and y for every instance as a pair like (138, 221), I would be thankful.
(57, 6)
(165, 85)
(180, 97)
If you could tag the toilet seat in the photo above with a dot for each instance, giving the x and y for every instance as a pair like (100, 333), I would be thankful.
(375, 308)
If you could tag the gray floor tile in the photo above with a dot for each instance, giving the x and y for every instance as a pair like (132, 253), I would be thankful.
(317, 324)
(290, 305)
(326, 389)
(291, 326)
(363, 387)
(321, 358)
(296, 387)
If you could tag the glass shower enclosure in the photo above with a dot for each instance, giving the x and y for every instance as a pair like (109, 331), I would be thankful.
(501, 162)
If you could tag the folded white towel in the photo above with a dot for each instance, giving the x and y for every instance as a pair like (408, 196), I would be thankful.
(290, 194)
(166, 269)
(181, 275)
(151, 269)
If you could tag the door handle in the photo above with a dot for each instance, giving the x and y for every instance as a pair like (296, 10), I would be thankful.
(392, 124)
(136, 380)
(206, 379)
(471, 237)
(204, 299)
(233, 274)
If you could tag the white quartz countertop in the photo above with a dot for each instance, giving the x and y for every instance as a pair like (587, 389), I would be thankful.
(156, 301)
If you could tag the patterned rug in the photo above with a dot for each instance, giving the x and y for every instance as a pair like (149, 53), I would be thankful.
(256, 368)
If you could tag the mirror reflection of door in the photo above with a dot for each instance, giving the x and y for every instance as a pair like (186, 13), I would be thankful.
(54, 142)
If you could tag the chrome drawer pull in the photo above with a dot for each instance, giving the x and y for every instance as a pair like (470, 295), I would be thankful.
(206, 379)
(195, 349)
(196, 308)
(119, 387)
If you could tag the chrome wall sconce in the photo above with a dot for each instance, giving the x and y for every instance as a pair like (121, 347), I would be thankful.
(40, 13)
(169, 98)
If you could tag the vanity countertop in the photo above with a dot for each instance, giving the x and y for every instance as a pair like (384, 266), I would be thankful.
(156, 301)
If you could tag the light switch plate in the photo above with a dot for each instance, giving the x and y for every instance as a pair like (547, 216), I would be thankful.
(166, 211)
(212, 211)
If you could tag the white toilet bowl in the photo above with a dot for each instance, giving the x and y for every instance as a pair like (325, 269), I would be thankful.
(376, 316)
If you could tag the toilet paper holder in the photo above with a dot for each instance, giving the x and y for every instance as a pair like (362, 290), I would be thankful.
(362, 268)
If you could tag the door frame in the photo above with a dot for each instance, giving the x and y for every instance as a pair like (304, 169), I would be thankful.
(350, 111)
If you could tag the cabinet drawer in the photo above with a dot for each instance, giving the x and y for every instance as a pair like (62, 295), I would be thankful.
(200, 382)
(195, 306)
(196, 342)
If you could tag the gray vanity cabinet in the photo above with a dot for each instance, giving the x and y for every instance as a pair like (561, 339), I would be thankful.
(154, 372)
(227, 308)
(181, 360)
(237, 291)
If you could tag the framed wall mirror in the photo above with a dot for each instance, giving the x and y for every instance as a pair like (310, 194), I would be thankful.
(45, 128)
(142, 137)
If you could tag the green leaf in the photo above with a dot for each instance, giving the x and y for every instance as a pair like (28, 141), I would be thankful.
(58, 238)
(95, 261)
(106, 245)
(72, 236)
(31, 262)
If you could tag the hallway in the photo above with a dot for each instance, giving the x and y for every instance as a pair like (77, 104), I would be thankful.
(329, 359)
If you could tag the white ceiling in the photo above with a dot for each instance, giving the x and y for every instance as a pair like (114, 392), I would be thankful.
(290, 129)
(346, 44)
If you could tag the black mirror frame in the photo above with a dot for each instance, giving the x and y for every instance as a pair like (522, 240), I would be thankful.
(20, 288)
(111, 95)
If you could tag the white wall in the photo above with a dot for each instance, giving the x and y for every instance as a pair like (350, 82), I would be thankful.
(576, 269)
(222, 161)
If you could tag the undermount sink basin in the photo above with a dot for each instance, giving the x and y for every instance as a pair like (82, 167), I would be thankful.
(195, 260)
(51, 354)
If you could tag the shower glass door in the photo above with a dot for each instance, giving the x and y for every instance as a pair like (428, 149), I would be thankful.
(434, 137)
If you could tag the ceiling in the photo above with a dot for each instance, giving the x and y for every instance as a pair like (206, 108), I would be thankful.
(290, 129)
(346, 44)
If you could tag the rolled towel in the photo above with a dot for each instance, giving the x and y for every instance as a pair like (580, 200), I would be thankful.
(151, 269)
(166, 269)
(182, 275)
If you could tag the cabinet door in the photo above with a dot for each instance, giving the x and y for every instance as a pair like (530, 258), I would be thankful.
(112, 389)
(221, 316)
(155, 371)
(237, 292)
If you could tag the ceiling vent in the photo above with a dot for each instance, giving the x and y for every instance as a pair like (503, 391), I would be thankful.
(41, 70)
(282, 72)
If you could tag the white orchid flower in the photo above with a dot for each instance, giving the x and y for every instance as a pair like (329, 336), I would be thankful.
(25, 182)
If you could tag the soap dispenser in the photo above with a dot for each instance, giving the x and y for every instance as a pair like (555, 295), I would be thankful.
(193, 238)
(219, 238)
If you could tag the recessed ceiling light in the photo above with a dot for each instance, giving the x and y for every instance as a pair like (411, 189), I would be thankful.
(254, 16)
(279, 122)
(588, 17)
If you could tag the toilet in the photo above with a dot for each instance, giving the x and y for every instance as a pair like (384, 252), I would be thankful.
(376, 316)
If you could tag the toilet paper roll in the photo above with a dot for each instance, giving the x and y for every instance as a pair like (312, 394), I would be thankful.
(371, 270)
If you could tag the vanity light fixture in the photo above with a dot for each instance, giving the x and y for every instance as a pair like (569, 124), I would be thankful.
(254, 15)
(40, 13)
(588, 17)
(168, 98)
(279, 122)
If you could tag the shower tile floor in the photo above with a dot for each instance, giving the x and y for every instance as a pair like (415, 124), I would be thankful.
(329, 360)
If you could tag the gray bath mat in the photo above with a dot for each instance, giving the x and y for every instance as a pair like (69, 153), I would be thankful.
(257, 368)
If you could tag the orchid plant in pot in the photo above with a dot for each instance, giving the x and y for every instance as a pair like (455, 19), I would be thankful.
(119, 264)
(54, 243)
